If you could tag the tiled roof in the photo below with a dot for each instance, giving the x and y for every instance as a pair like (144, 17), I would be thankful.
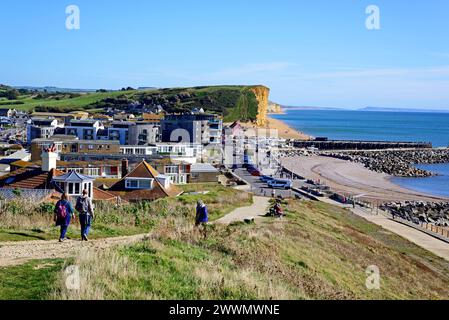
(24, 164)
(102, 195)
(29, 178)
(72, 176)
(203, 167)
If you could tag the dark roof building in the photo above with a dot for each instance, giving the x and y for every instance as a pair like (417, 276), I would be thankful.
(144, 183)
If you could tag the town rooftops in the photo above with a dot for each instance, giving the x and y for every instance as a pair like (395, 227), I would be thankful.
(191, 117)
(72, 176)
(202, 167)
(144, 171)
(122, 124)
(84, 123)
(42, 121)
(96, 142)
(29, 178)
(56, 138)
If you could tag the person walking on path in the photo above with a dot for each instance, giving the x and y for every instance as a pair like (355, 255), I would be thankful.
(202, 216)
(85, 209)
(63, 214)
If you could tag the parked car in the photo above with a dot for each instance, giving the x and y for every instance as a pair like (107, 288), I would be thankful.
(266, 178)
(280, 183)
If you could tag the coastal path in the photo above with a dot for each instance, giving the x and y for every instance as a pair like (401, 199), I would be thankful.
(434, 245)
(16, 253)
(257, 210)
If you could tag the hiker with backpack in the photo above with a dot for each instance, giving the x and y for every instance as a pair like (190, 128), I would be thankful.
(85, 209)
(202, 216)
(63, 214)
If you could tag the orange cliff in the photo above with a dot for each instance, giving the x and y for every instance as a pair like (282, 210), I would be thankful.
(262, 93)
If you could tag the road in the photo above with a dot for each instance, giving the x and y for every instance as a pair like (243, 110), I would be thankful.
(260, 188)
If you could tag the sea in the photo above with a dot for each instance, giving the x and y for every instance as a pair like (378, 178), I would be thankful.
(382, 126)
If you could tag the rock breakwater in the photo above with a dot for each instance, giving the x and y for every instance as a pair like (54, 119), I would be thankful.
(398, 163)
(436, 213)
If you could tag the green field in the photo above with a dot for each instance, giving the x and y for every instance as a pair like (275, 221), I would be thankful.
(233, 102)
(73, 104)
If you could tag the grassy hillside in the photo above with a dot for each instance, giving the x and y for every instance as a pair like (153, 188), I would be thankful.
(23, 220)
(233, 102)
(318, 252)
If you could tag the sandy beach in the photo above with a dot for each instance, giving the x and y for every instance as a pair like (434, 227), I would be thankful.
(353, 179)
(284, 130)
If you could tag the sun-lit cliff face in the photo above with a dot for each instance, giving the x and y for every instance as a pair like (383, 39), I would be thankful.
(262, 93)
(274, 107)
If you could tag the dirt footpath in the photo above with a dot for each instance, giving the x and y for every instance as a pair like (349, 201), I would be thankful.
(15, 253)
(258, 209)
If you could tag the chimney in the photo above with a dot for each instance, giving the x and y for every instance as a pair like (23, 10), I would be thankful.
(49, 159)
(125, 167)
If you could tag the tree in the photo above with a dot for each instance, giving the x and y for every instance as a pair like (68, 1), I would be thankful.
(12, 94)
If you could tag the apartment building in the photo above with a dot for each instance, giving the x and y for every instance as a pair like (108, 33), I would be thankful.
(186, 152)
(69, 147)
(42, 128)
(84, 129)
(197, 128)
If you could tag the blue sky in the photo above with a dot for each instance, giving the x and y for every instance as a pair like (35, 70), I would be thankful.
(314, 53)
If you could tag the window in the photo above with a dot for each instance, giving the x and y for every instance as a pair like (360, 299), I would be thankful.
(139, 183)
(145, 184)
(132, 184)
(171, 169)
(93, 171)
(77, 188)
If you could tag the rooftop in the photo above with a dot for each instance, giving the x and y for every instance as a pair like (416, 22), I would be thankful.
(203, 167)
(72, 176)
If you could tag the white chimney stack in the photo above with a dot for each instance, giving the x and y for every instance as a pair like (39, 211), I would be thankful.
(49, 159)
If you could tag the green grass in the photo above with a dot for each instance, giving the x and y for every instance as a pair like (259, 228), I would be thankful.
(72, 104)
(31, 281)
(233, 102)
(29, 223)
(220, 200)
(98, 231)
(318, 252)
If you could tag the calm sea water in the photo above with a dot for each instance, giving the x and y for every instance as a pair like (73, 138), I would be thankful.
(438, 185)
(366, 125)
(384, 126)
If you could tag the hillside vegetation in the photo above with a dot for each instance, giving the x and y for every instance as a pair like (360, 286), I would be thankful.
(233, 102)
(318, 252)
(24, 220)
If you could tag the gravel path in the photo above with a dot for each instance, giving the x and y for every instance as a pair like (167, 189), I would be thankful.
(257, 210)
(15, 253)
